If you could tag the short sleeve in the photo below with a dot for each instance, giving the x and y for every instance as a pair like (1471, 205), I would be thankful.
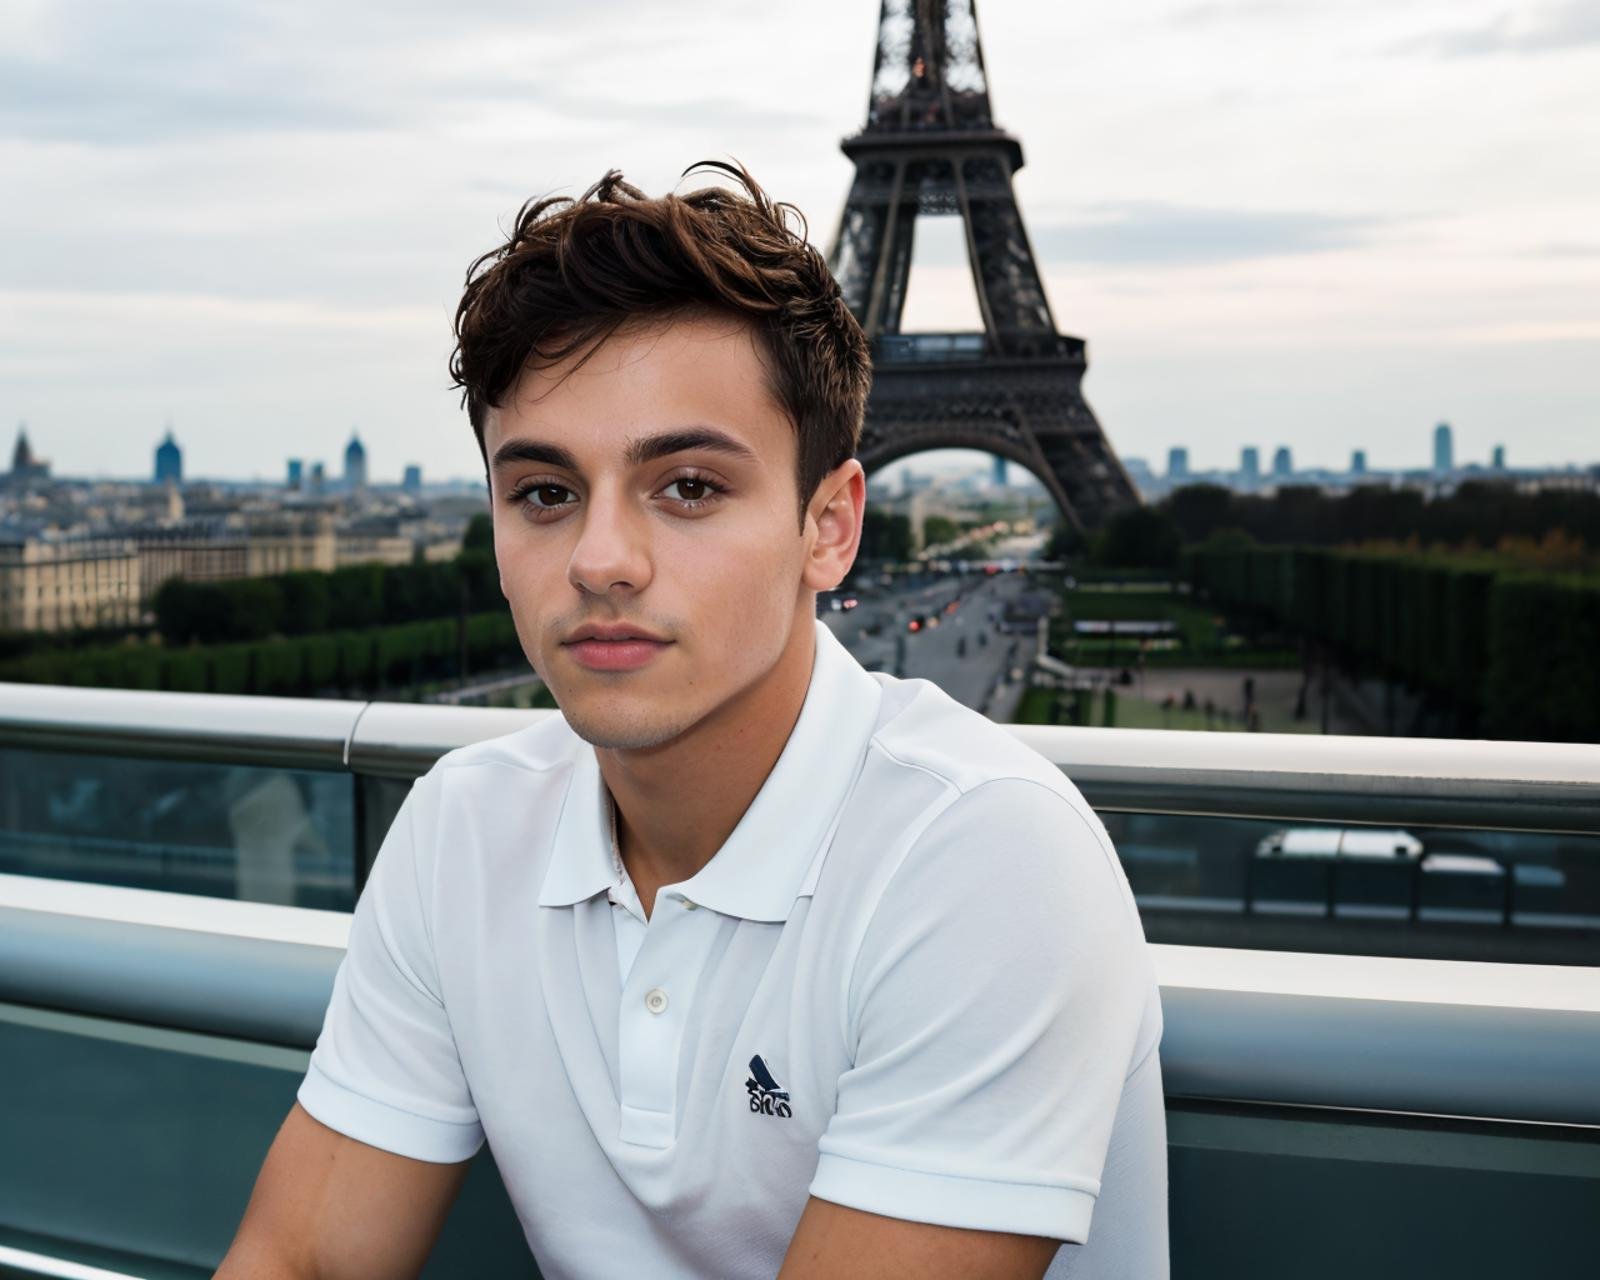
(385, 1069)
(998, 999)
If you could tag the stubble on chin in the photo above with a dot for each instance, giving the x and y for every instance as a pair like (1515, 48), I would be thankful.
(622, 732)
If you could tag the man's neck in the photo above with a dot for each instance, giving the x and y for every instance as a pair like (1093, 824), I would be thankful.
(677, 807)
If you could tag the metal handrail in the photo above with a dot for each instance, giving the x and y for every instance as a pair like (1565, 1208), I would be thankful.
(1477, 784)
(1435, 1037)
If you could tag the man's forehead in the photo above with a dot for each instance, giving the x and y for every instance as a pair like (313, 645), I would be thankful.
(610, 406)
(648, 347)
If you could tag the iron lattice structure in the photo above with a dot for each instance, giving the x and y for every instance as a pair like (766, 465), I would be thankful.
(930, 146)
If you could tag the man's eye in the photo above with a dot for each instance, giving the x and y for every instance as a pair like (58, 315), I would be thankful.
(542, 497)
(693, 488)
(698, 491)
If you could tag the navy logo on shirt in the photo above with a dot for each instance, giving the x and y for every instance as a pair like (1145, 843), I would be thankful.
(766, 1098)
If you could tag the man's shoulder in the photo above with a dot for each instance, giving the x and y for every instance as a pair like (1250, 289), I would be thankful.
(922, 728)
(954, 802)
(483, 806)
(547, 743)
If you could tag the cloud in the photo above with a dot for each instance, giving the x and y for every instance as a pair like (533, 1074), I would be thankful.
(115, 75)
(1553, 27)
(1176, 235)
(1567, 249)
(1216, 11)
(53, 102)
(119, 75)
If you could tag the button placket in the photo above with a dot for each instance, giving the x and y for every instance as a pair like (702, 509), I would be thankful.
(656, 999)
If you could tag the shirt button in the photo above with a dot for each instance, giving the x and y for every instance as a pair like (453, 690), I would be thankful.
(656, 1000)
(689, 906)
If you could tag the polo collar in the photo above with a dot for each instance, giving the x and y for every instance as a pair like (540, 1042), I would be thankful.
(764, 865)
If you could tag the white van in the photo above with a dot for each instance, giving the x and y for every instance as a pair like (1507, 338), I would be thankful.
(1340, 842)
(1463, 864)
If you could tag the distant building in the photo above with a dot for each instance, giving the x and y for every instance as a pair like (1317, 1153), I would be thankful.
(1250, 464)
(1358, 462)
(913, 482)
(412, 481)
(1177, 464)
(1000, 472)
(209, 551)
(296, 473)
(24, 466)
(319, 477)
(62, 584)
(1138, 469)
(1282, 463)
(376, 548)
(1499, 462)
(355, 464)
(1444, 450)
(169, 461)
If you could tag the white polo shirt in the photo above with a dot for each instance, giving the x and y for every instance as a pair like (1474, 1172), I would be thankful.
(912, 981)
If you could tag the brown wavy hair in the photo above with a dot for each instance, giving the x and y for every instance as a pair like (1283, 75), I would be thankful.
(574, 271)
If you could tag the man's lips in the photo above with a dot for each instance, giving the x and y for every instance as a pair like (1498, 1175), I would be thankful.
(612, 634)
(615, 655)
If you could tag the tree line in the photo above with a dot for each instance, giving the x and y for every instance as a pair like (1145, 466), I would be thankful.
(1563, 524)
(1512, 651)
(307, 602)
(333, 663)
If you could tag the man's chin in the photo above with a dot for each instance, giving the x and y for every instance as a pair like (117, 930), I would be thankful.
(622, 732)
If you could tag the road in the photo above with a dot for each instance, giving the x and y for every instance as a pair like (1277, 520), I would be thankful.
(979, 677)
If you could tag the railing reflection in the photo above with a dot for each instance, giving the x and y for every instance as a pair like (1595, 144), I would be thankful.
(1430, 848)
(225, 830)
(1417, 890)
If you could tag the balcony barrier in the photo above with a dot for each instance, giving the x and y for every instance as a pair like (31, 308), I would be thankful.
(1328, 1115)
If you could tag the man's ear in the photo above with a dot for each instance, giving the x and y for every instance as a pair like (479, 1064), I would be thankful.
(833, 525)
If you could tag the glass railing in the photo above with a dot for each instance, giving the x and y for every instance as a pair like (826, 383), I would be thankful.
(1328, 1115)
(225, 830)
(1410, 847)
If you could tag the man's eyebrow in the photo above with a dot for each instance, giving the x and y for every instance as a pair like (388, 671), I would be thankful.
(638, 452)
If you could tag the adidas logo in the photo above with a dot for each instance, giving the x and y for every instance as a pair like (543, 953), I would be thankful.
(766, 1098)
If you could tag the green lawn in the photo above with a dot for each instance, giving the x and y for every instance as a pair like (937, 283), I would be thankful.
(1132, 712)
(1196, 624)
(1035, 707)
(1201, 633)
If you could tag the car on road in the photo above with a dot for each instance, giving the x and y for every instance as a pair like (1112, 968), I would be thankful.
(1339, 842)
(1463, 864)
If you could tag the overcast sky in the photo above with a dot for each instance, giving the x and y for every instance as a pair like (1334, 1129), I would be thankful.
(1325, 224)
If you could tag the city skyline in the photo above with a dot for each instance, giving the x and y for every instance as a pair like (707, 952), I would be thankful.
(1279, 222)
(934, 462)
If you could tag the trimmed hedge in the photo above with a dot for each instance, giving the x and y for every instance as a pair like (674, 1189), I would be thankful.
(1514, 651)
(357, 597)
(345, 662)
(1543, 681)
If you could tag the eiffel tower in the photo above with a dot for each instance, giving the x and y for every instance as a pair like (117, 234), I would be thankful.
(930, 145)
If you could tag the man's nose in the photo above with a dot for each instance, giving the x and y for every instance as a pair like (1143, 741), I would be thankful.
(612, 549)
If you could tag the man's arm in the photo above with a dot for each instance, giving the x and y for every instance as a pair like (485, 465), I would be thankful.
(997, 1000)
(836, 1243)
(327, 1207)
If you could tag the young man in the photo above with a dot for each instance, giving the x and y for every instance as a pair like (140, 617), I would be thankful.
(749, 962)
